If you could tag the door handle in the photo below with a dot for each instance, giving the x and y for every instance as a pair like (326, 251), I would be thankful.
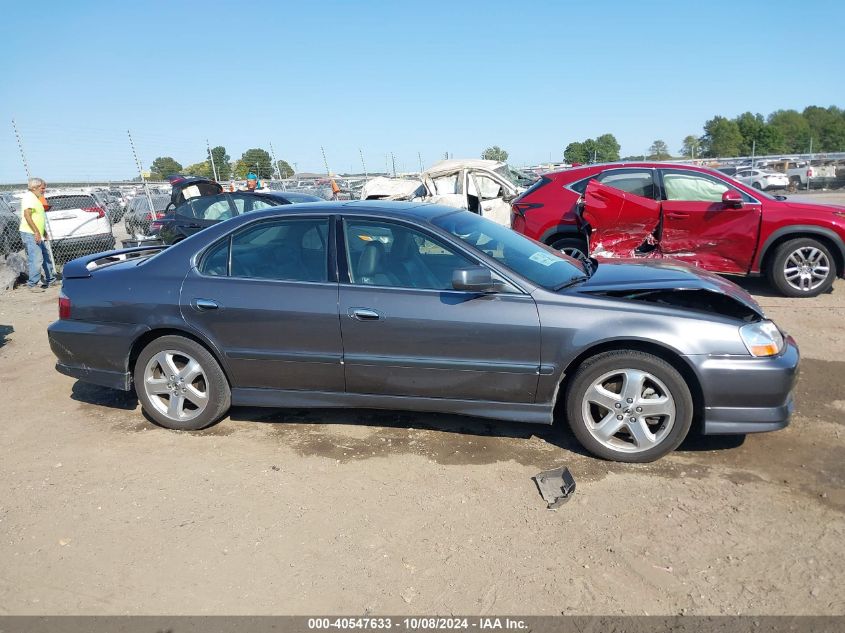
(363, 314)
(204, 304)
(677, 215)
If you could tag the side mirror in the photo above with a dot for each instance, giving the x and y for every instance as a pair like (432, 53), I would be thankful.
(473, 279)
(732, 199)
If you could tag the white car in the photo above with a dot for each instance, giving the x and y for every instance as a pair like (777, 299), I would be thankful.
(485, 187)
(762, 179)
(77, 226)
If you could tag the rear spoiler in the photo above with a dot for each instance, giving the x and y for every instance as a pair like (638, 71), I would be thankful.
(83, 266)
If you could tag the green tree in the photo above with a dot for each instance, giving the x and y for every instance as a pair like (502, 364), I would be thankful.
(202, 169)
(607, 148)
(285, 169)
(164, 166)
(721, 138)
(254, 160)
(691, 147)
(758, 137)
(659, 150)
(575, 153)
(827, 128)
(604, 149)
(494, 153)
(221, 162)
(792, 128)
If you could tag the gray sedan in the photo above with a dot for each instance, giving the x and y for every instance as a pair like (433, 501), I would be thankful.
(426, 308)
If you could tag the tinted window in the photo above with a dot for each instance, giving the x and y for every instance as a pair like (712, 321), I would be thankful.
(387, 254)
(291, 249)
(62, 203)
(216, 261)
(640, 182)
(581, 185)
(212, 208)
(249, 203)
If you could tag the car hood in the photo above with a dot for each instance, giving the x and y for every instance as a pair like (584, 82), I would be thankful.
(670, 283)
(816, 210)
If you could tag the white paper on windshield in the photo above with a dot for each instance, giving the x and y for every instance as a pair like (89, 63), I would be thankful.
(543, 258)
(190, 192)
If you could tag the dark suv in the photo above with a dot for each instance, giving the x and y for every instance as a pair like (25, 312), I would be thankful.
(197, 203)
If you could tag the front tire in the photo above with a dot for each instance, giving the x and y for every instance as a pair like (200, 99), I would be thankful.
(802, 267)
(572, 246)
(180, 384)
(628, 406)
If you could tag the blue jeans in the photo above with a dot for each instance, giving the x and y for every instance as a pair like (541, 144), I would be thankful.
(37, 258)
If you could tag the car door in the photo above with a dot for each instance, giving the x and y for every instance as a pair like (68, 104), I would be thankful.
(620, 223)
(491, 195)
(407, 332)
(196, 214)
(700, 229)
(264, 295)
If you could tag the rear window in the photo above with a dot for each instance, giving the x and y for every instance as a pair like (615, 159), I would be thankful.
(540, 182)
(62, 203)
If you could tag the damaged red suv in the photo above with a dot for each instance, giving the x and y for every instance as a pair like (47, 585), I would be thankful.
(693, 214)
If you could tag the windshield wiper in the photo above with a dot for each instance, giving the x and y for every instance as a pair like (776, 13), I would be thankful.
(570, 282)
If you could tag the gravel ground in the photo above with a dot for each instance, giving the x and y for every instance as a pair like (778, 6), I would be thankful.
(323, 511)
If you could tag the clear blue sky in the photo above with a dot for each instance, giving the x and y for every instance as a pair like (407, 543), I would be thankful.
(400, 77)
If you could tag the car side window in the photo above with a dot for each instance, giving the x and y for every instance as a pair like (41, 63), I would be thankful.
(213, 208)
(695, 187)
(393, 255)
(248, 203)
(284, 250)
(488, 189)
(640, 182)
(446, 184)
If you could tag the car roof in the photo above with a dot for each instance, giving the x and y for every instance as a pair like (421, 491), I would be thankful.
(642, 164)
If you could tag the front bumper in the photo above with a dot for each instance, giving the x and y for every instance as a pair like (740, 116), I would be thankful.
(747, 395)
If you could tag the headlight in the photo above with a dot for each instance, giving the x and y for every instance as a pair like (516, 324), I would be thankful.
(762, 339)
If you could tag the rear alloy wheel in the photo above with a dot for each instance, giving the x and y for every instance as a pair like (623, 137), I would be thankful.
(628, 406)
(180, 384)
(572, 246)
(802, 267)
(757, 185)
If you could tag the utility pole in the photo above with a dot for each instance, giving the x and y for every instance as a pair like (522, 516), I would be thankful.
(211, 158)
(810, 163)
(326, 162)
(141, 172)
(20, 147)
(361, 154)
(276, 169)
(753, 151)
(419, 156)
(393, 160)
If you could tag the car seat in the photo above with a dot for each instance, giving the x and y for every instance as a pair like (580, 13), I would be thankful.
(372, 267)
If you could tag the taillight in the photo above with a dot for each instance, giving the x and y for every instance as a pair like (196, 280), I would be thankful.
(810, 173)
(98, 210)
(64, 307)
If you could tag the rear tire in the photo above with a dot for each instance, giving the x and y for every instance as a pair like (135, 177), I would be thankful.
(802, 267)
(757, 185)
(628, 406)
(573, 246)
(180, 384)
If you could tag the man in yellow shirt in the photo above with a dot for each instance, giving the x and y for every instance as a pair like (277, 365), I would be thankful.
(33, 230)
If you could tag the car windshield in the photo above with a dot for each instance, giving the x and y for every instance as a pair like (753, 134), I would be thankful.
(536, 262)
(508, 174)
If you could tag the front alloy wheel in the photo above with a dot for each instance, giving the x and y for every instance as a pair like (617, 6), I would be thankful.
(628, 406)
(802, 267)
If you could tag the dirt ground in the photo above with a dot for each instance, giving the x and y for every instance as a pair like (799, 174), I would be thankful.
(367, 512)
